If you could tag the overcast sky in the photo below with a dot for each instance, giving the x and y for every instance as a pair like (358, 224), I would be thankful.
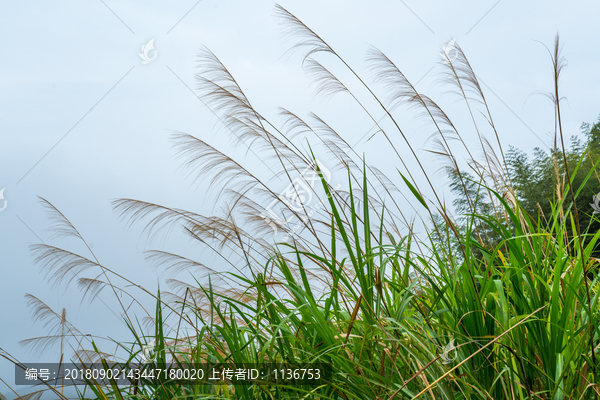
(84, 121)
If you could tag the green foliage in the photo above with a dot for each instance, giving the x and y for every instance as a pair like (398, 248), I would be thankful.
(536, 180)
(539, 183)
(520, 327)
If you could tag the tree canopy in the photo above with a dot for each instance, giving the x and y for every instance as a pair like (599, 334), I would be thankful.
(538, 181)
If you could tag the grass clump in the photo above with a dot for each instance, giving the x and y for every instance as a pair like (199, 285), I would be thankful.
(502, 305)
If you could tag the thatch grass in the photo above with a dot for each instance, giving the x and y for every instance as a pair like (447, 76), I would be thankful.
(447, 315)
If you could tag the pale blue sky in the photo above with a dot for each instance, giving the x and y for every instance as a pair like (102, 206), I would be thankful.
(83, 121)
